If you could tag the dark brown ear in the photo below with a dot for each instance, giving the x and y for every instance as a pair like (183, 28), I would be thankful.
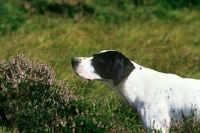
(122, 67)
(112, 65)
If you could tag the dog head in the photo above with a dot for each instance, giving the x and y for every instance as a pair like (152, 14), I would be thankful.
(107, 64)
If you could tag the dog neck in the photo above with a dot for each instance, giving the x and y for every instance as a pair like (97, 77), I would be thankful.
(130, 88)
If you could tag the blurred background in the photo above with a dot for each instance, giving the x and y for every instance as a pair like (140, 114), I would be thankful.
(160, 34)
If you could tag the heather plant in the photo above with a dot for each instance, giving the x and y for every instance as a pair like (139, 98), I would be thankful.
(190, 124)
(69, 8)
(31, 98)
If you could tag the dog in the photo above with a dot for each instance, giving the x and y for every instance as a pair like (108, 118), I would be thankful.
(158, 97)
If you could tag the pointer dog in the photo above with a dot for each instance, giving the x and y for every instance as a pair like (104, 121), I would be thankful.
(158, 97)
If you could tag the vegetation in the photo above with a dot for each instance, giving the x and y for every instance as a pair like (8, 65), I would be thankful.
(31, 98)
(160, 34)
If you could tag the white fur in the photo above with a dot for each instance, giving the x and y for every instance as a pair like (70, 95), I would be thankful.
(158, 97)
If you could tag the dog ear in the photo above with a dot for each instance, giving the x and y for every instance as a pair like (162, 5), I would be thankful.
(122, 67)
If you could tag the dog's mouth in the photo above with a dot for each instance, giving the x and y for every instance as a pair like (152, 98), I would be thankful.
(81, 76)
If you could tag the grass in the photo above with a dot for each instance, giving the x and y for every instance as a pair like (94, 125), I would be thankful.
(164, 40)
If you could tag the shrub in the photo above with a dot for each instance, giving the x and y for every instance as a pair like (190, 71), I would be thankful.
(190, 124)
(31, 98)
(71, 8)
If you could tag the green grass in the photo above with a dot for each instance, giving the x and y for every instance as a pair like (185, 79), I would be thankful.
(164, 40)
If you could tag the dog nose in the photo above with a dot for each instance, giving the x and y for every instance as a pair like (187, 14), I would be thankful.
(74, 62)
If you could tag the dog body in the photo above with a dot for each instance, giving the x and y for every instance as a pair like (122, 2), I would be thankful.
(158, 97)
